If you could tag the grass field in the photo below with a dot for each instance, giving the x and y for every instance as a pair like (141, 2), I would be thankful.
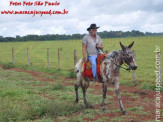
(40, 97)
(28, 95)
(144, 46)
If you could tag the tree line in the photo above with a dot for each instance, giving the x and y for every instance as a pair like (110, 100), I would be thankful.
(104, 34)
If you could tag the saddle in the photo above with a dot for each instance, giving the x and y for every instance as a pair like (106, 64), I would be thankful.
(87, 67)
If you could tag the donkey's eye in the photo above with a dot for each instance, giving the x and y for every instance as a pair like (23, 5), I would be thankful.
(130, 59)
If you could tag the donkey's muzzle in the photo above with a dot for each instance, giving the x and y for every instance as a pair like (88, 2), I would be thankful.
(133, 67)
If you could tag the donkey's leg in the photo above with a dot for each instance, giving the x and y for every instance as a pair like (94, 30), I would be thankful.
(104, 96)
(79, 82)
(116, 85)
(76, 91)
(84, 89)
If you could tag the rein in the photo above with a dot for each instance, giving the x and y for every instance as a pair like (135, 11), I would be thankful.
(128, 69)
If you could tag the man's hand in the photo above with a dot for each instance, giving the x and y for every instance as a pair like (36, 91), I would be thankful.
(85, 59)
(99, 46)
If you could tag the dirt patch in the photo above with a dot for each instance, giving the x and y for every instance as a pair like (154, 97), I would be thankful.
(33, 73)
(140, 105)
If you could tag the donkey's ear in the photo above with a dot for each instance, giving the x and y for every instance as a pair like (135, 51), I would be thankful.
(122, 46)
(131, 45)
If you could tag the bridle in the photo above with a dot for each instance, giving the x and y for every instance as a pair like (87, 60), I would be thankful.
(124, 60)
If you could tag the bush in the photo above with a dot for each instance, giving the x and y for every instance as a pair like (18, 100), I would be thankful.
(8, 66)
(71, 74)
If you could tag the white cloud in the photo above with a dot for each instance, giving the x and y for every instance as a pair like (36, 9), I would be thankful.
(146, 15)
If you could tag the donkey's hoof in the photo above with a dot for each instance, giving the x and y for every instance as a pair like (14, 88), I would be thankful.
(104, 109)
(124, 113)
(75, 102)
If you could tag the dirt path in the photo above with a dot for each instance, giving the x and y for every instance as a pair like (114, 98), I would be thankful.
(138, 99)
(33, 73)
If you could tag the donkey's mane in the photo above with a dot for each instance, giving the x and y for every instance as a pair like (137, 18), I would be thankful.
(113, 54)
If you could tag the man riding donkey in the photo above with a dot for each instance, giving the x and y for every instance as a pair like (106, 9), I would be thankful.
(108, 66)
(90, 44)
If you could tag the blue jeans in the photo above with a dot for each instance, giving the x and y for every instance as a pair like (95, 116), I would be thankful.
(92, 59)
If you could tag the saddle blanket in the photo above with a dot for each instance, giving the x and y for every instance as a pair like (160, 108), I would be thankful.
(87, 72)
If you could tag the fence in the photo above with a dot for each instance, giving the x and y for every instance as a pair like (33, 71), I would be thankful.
(59, 59)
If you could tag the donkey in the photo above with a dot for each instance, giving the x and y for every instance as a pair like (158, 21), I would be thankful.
(110, 66)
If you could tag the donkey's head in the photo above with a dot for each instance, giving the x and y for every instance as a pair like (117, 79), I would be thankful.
(127, 56)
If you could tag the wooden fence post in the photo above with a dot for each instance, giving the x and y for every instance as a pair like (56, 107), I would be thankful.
(28, 58)
(48, 57)
(134, 71)
(13, 58)
(75, 57)
(59, 64)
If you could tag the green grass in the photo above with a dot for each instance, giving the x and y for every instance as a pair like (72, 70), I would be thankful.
(144, 47)
(137, 110)
(130, 95)
(25, 98)
(117, 119)
(8, 66)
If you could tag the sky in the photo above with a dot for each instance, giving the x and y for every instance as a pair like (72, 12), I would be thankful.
(115, 15)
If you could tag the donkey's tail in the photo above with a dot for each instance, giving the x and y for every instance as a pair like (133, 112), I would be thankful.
(78, 66)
